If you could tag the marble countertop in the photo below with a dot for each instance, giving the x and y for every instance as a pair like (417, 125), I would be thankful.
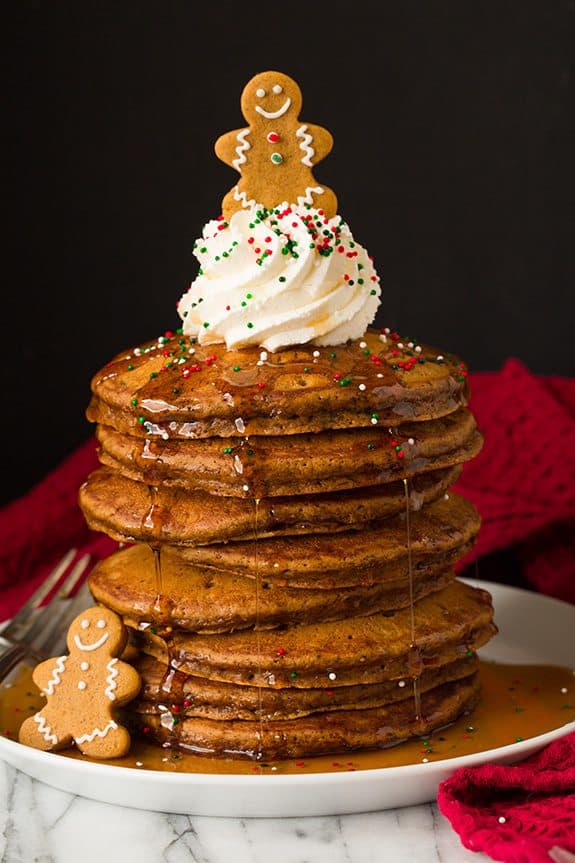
(39, 824)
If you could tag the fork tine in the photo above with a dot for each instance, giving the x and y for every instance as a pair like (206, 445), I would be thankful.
(74, 577)
(23, 615)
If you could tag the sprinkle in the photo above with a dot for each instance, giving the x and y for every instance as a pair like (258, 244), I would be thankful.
(361, 387)
(502, 819)
(139, 763)
(363, 344)
(425, 760)
(401, 683)
(417, 349)
(410, 441)
(518, 739)
(237, 368)
(332, 675)
(564, 689)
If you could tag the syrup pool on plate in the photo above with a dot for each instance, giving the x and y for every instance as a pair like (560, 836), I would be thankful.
(518, 702)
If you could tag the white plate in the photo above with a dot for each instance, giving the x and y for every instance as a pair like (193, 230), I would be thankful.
(532, 629)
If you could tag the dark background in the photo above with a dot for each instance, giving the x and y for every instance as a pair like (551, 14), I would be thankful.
(453, 164)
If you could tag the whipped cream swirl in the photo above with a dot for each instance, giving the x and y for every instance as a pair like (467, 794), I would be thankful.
(276, 278)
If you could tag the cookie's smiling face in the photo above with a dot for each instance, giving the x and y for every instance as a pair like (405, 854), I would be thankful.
(93, 629)
(270, 96)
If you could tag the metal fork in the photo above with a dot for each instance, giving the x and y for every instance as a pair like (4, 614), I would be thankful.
(35, 631)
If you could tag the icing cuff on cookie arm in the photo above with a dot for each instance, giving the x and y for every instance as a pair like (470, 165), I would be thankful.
(278, 278)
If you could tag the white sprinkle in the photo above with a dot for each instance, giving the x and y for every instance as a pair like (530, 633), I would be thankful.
(137, 352)
(410, 441)
(410, 344)
(191, 350)
(276, 565)
(81, 684)
(382, 338)
(425, 760)
(439, 357)
(263, 356)
(315, 354)
(181, 360)
(361, 387)
(141, 763)
(274, 768)
(165, 759)
(502, 819)
(84, 666)
(332, 675)
(363, 344)
(401, 683)
(417, 349)
(386, 330)
(272, 679)
(245, 488)
(400, 346)
(373, 421)
(564, 689)
(165, 436)
(379, 374)
(445, 496)
(259, 363)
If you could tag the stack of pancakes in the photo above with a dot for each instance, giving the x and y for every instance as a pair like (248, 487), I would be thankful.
(290, 542)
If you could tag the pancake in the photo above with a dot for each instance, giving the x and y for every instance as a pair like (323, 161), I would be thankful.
(293, 464)
(174, 388)
(439, 534)
(383, 646)
(132, 511)
(319, 733)
(168, 691)
(197, 599)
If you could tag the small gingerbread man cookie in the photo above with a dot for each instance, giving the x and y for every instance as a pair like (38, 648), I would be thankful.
(84, 689)
(275, 155)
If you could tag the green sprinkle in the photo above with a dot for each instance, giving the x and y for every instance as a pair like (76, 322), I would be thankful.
(333, 356)
(250, 325)
(237, 368)
(282, 279)
(469, 653)
(134, 402)
(344, 382)
(228, 449)
(371, 446)
(130, 367)
(203, 250)
(141, 420)
(250, 451)
(205, 324)
(154, 375)
(249, 296)
(375, 416)
(518, 739)
(293, 675)
(360, 281)
(373, 293)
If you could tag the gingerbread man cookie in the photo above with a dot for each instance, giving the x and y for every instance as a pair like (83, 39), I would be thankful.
(275, 155)
(83, 690)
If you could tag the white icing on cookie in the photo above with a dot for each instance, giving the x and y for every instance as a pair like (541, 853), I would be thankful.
(56, 675)
(81, 646)
(305, 145)
(273, 115)
(309, 192)
(97, 732)
(111, 679)
(241, 149)
(44, 729)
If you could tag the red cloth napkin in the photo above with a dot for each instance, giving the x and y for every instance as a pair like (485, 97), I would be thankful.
(516, 814)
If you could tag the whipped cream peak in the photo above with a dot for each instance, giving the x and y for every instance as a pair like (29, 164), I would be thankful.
(277, 278)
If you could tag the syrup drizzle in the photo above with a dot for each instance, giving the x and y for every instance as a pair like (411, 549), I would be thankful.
(412, 646)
